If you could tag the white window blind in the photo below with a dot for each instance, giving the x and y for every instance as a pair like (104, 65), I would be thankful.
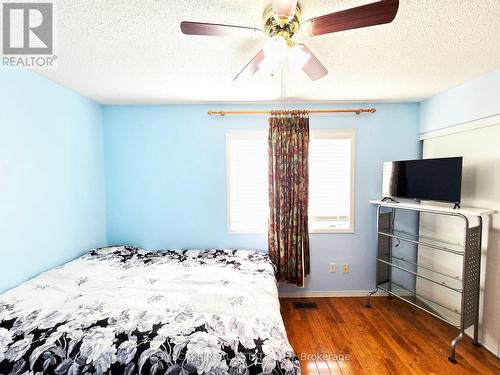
(331, 189)
(330, 181)
(247, 181)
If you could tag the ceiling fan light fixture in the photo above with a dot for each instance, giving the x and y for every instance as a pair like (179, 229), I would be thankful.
(284, 10)
(297, 57)
(275, 53)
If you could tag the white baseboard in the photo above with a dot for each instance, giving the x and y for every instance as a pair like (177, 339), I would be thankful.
(340, 293)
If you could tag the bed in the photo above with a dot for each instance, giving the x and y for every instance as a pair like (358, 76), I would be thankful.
(124, 310)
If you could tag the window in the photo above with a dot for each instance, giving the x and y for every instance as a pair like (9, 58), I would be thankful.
(331, 181)
(248, 203)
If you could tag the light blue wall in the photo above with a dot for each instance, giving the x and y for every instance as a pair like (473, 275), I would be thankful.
(474, 99)
(52, 197)
(165, 174)
(166, 181)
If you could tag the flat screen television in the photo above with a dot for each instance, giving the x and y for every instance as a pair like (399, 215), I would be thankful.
(424, 179)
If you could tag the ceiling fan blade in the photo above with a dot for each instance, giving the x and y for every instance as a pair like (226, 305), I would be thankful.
(313, 67)
(372, 14)
(215, 29)
(250, 69)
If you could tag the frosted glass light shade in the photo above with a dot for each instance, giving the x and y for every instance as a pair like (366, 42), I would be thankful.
(275, 52)
(284, 10)
(297, 57)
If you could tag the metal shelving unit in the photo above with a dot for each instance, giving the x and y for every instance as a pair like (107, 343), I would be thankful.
(465, 285)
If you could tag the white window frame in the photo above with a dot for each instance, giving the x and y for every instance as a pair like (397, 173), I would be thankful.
(320, 133)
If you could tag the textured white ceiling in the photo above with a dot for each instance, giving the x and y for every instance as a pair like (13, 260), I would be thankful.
(132, 51)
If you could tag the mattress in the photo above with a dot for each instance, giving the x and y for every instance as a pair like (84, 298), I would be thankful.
(124, 310)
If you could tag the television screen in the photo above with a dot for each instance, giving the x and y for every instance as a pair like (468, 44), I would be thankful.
(424, 179)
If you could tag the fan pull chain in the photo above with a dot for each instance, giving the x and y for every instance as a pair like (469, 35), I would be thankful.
(283, 87)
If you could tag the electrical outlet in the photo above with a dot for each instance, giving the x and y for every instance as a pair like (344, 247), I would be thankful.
(333, 267)
(345, 268)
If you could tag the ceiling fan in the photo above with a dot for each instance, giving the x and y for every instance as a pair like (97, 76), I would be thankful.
(282, 20)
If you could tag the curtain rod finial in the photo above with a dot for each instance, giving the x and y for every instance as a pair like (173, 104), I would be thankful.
(220, 113)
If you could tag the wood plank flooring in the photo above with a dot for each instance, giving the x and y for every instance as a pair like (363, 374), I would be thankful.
(341, 336)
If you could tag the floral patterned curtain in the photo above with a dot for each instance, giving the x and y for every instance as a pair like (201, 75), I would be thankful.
(288, 236)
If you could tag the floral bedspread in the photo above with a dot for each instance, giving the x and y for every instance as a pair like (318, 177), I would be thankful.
(124, 310)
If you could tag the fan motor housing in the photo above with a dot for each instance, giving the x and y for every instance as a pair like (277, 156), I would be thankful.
(285, 29)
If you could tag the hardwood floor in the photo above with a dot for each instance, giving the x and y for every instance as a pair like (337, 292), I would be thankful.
(341, 336)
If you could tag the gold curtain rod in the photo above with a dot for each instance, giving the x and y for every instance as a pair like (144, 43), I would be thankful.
(265, 112)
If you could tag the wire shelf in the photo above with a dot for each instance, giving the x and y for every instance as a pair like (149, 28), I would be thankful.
(442, 312)
(425, 241)
(451, 282)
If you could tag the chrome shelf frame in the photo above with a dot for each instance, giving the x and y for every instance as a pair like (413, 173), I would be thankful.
(470, 252)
